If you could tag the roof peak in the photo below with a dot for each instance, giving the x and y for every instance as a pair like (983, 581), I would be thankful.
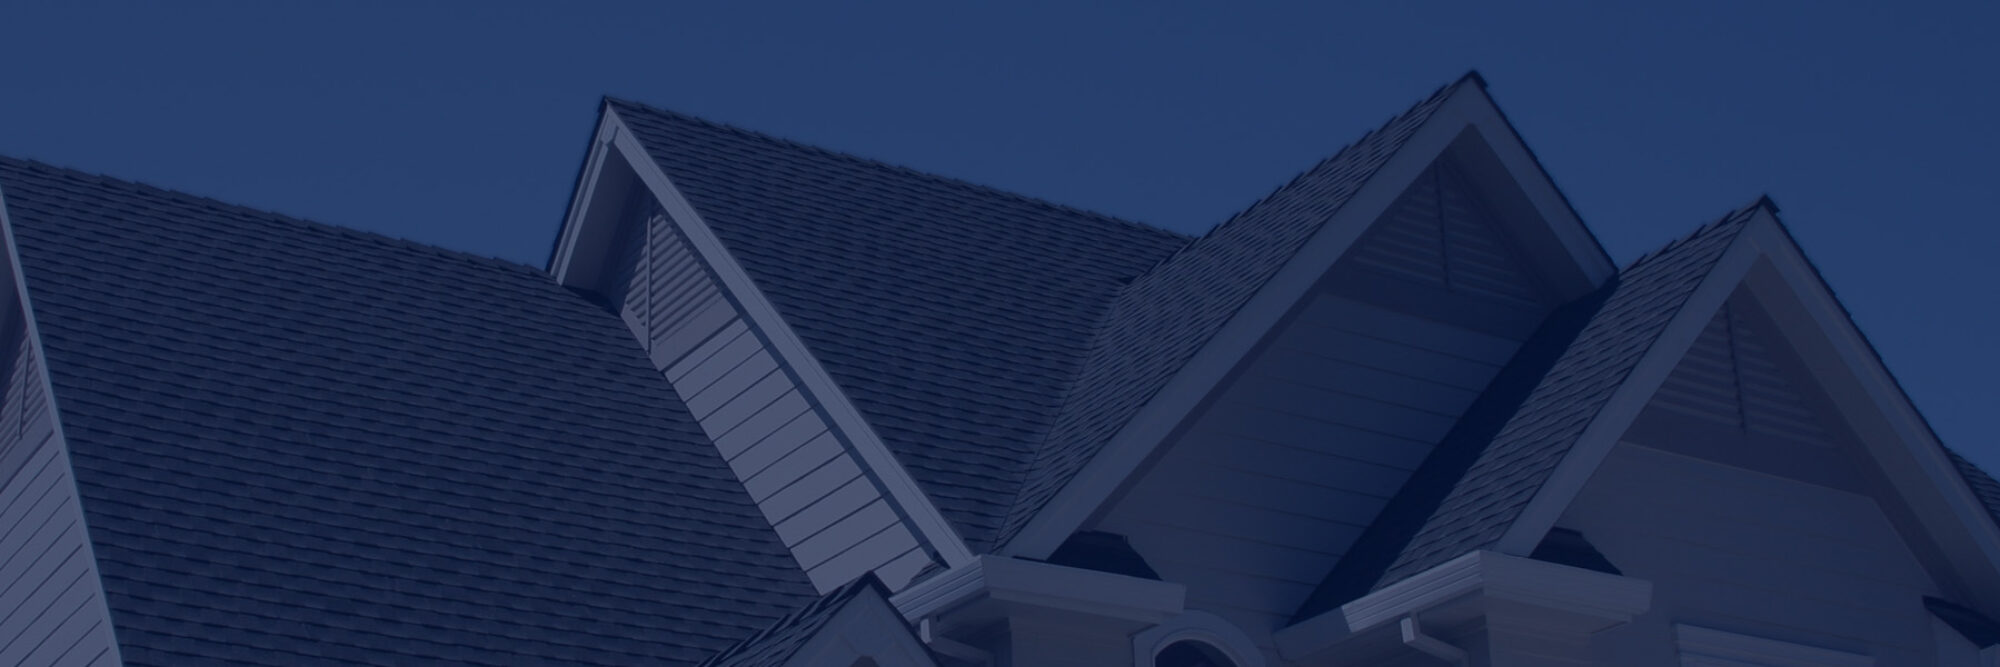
(614, 101)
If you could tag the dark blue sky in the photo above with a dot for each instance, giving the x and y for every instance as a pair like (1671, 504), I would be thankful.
(463, 124)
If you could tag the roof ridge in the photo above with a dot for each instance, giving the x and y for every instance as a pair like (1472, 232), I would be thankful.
(941, 179)
(51, 170)
(1441, 91)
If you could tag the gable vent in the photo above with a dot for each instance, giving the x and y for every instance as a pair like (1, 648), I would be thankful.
(1438, 233)
(1731, 376)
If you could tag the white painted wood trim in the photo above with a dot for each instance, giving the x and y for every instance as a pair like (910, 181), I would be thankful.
(579, 203)
(1562, 588)
(1541, 191)
(1703, 647)
(1631, 397)
(32, 330)
(1120, 459)
(1042, 585)
(1885, 394)
(910, 499)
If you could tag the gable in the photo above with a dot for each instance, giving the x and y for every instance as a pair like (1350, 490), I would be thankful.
(1295, 456)
(951, 315)
(1185, 327)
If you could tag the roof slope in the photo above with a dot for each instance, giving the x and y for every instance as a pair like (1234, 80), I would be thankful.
(775, 645)
(1648, 295)
(1983, 485)
(301, 444)
(953, 315)
(1162, 319)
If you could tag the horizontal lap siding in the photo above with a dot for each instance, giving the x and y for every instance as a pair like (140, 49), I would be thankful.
(1253, 505)
(1754, 554)
(827, 511)
(52, 609)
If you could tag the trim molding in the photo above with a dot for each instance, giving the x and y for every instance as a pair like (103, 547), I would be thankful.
(909, 499)
(1038, 584)
(1467, 108)
(1481, 575)
(60, 438)
(1632, 395)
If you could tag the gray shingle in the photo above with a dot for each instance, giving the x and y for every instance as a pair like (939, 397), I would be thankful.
(953, 315)
(302, 444)
(778, 643)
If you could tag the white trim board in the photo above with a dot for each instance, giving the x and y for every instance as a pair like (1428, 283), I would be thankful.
(1468, 108)
(910, 500)
(1611, 421)
(1764, 258)
(1586, 600)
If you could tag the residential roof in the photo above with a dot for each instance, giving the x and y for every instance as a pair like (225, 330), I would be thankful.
(954, 316)
(1506, 475)
(1165, 316)
(303, 444)
(776, 644)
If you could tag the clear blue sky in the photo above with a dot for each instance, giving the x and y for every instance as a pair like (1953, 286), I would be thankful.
(462, 124)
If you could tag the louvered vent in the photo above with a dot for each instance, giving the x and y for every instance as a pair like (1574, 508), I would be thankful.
(1439, 233)
(1731, 376)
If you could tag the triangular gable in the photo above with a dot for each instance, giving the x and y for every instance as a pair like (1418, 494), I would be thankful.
(1177, 331)
(852, 625)
(1667, 335)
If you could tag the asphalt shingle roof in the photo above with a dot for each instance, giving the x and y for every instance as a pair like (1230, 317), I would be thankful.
(302, 444)
(1165, 316)
(775, 645)
(954, 316)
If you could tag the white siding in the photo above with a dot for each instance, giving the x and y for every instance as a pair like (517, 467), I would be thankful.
(835, 519)
(1252, 506)
(1752, 554)
(52, 609)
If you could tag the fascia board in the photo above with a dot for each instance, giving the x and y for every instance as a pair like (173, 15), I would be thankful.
(1134, 444)
(1922, 466)
(1611, 422)
(1535, 182)
(1043, 585)
(1483, 574)
(881, 464)
(564, 257)
(32, 331)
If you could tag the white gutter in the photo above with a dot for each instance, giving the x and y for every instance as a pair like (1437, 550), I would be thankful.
(1592, 600)
(1032, 583)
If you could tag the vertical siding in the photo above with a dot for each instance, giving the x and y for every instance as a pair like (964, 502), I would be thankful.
(835, 519)
(1752, 554)
(52, 609)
